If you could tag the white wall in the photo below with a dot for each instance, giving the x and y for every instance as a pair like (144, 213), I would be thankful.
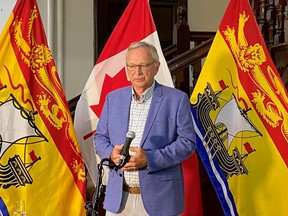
(78, 46)
(205, 15)
(6, 7)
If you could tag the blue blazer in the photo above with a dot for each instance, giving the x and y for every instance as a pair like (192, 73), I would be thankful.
(168, 139)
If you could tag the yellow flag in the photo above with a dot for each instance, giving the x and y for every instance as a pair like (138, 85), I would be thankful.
(41, 166)
(240, 108)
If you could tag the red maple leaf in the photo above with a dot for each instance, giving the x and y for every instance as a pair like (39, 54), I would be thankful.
(110, 84)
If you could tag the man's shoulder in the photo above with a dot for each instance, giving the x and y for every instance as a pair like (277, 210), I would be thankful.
(121, 90)
(171, 90)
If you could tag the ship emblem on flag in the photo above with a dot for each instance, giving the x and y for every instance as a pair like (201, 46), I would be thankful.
(220, 134)
(16, 172)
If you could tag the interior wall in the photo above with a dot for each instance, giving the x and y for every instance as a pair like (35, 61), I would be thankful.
(205, 15)
(78, 45)
(6, 7)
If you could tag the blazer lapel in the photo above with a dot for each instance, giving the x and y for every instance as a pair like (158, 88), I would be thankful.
(154, 108)
(124, 108)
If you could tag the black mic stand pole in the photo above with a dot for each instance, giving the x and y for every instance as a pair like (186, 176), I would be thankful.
(92, 208)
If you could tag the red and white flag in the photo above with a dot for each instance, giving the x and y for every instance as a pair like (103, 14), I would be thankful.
(136, 24)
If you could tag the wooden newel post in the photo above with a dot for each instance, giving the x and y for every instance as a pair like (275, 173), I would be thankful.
(181, 37)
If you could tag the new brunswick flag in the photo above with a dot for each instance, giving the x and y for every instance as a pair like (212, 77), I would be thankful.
(240, 108)
(40, 162)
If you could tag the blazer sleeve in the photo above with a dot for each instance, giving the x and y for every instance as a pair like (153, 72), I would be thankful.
(102, 144)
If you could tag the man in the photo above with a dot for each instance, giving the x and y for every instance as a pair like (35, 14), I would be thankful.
(151, 182)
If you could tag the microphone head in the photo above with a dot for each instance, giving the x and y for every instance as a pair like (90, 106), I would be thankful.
(130, 134)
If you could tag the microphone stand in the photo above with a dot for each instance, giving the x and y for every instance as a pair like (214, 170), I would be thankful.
(92, 208)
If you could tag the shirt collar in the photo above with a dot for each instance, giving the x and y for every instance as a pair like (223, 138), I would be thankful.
(146, 95)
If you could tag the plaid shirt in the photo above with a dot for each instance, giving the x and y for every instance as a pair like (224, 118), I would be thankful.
(138, 116)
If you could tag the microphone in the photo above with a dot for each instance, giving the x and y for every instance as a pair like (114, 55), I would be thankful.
(125, 156)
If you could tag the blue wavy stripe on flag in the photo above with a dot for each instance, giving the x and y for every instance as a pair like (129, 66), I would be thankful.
(3, 208)
(214, 172)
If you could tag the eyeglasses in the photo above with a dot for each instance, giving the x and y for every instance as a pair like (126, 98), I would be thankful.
(142, 67)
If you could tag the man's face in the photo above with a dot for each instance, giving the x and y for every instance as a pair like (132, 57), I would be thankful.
(141, 68)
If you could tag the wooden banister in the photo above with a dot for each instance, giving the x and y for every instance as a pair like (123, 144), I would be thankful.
(191, 56)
